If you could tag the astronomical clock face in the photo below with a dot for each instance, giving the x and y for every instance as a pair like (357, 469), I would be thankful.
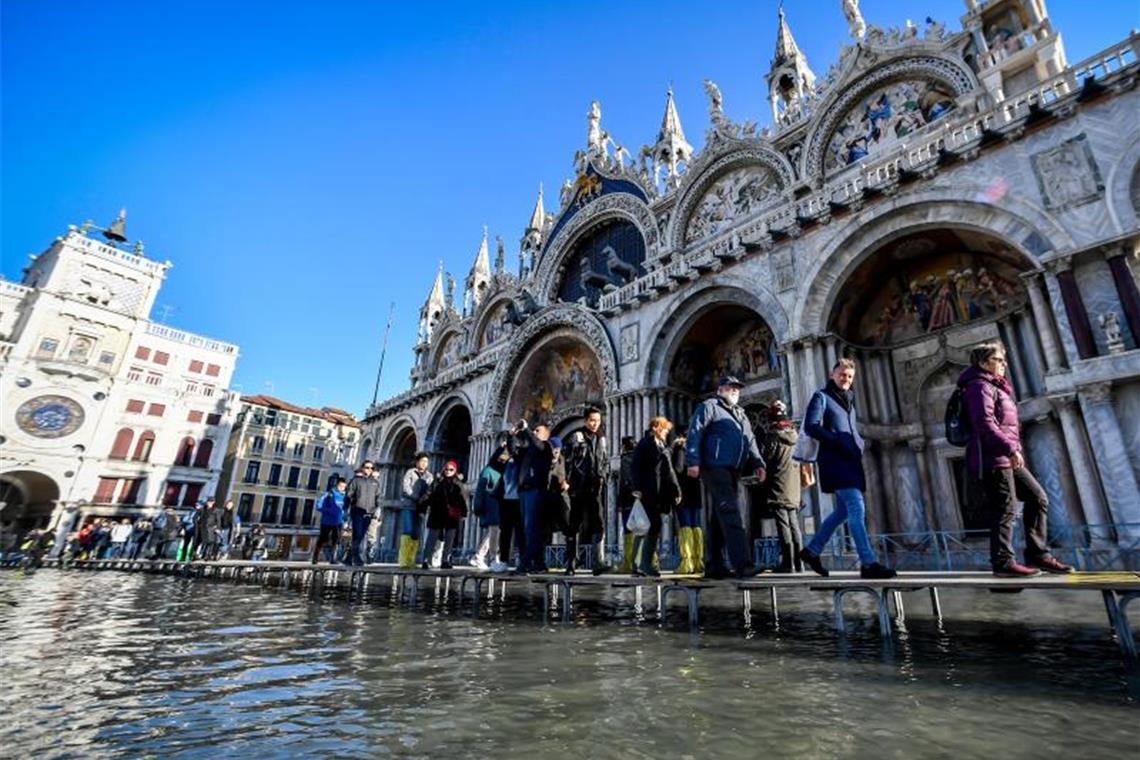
(49, 416)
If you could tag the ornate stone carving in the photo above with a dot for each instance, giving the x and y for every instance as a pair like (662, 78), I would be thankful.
(855, 24)
(629, 343)
(1097, 393)
(736, 194)
(1113, 337)
(1067, 175)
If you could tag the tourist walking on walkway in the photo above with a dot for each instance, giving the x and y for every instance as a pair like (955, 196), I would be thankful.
(625, 500)
(120, 535)
(363, 500)
(167, 529)
(720, 446)
(534, 478)
(997, 465)
(447, 505)
(207, 537)
(587, 469)
(485, 506)
(556, 509)
(189, 521)
(782, 488)
(655, 484)
(414, 492)
(229, 527)
(510, 512)
(333, 516)
(690, 536)
(831, 420)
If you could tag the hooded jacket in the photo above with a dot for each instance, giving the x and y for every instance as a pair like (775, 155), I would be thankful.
(995, 430)
(446, 496)
(332, 509)
(782, 489)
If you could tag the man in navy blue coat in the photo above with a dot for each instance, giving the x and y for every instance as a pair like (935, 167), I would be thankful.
(830, 419)
(719, 447)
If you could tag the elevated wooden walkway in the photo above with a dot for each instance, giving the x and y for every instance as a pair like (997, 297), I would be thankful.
(1117, 589)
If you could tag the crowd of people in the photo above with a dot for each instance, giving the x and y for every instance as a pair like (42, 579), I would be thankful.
(536, 485)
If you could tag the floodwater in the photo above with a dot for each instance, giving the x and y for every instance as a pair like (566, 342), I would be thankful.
(110, 664)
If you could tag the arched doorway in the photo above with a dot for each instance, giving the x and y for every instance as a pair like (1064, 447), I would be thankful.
(450, 437)
(27, 499)
(909, 314)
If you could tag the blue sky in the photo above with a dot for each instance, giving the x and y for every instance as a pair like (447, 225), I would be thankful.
(306, 165)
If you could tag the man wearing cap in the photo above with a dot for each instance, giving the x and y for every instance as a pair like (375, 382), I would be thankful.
(362, 499)
(719, 447)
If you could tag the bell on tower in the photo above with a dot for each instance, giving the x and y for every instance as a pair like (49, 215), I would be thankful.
(117, 232)
(790, 80)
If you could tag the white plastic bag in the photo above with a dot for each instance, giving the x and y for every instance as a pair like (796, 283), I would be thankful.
(638, 522)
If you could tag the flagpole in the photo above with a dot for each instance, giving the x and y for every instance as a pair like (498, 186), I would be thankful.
(383, 351)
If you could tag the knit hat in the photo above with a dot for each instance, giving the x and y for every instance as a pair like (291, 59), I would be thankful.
(555, 442)
(453, 464)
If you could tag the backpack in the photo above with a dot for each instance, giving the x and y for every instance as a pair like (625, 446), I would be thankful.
(957, 419)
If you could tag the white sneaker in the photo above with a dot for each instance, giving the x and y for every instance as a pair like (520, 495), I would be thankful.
(498, 566)
(478, 563)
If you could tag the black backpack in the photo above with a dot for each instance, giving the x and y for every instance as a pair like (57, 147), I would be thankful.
(957, 419)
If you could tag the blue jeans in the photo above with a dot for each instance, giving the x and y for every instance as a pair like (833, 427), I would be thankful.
(848, 506)
(360, 520)
(532, 528)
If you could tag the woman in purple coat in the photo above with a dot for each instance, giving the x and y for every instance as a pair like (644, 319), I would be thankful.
(997, 465)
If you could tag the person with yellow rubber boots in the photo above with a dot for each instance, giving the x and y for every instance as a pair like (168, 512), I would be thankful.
(690, 535)
(413, 503)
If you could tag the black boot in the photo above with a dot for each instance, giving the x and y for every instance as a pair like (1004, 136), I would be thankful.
(812, 561)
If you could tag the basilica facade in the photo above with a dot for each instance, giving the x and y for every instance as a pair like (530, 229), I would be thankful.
(934, 189)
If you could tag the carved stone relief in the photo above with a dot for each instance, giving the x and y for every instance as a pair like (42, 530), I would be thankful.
(1067, 175)
(629, 342)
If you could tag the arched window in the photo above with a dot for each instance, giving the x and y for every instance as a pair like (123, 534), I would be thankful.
(143, 447)
(205, 449)
(122, 445)
(185, 452)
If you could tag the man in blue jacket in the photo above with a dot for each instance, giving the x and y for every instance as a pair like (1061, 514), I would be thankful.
(830, 419)
(719, 447)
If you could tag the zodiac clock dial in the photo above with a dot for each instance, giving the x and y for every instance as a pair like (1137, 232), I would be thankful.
(49, 416)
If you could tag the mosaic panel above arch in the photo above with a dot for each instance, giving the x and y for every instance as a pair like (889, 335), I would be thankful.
(883, 119)
(561, 373)
(496, 325)
(729, 340)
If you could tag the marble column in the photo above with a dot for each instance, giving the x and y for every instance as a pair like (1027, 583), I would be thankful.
(1075, 309)
(1128, 292)
(1060, 314)
(876, 476)
(1092, 504)
(908, 485)
(1117, 476)
(918, 446)
(1045, 457)
(1043, 319)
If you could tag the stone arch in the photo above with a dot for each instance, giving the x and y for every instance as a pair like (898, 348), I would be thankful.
(441, 340)
(1123, 183)
(712, 292)
(564, 319)
(487, 312)
(27, 498)
(622, 206)
(705, 174)
(439, 412)
(449, 430)
(398, 429)
(1025, 228)
(945, 70)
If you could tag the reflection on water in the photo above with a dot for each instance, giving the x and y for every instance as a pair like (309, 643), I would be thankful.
(120, 665)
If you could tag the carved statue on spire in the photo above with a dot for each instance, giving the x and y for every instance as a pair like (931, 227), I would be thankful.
(500, 254)
(450, 292)
(596, 137)
(855, 23)
(716, 101)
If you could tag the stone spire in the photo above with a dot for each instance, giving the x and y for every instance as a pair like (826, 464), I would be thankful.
(790, 80)
(432, 309)
(532, 237)
(671, 149)
(479, 278)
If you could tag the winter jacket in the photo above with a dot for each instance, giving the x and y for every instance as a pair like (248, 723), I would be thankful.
(557, 502)
(332, 509)
(690, 487)
(415, 489)
(653, 475)
(363, 493)
(485, 503)
(587, 463)
(171, 525)
(446, 497)
(121, 533)
(625, 483)
(721, 436)
(831, 420)
(782, 489)
(534, 465)
(226, 519)
(510, 481)
(995, 430)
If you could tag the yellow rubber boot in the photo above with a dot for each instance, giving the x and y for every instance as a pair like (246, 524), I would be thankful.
(685, 547)
(627, 554)
(697, 546)
(408, 548)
